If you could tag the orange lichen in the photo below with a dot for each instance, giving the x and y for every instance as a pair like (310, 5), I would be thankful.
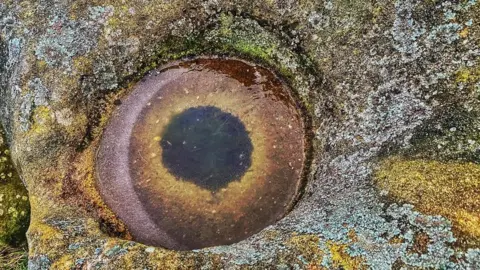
(352, 235)
(396, 240)
(420, 243)
(84, 179)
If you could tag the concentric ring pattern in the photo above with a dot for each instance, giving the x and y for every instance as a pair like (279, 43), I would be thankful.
(203, 153)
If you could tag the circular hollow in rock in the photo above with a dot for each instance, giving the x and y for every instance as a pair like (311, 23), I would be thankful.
(203, 153)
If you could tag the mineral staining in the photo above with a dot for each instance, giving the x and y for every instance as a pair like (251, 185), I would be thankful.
(203, 153)
(206, 146)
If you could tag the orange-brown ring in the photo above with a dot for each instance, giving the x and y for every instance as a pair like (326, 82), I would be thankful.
(187, 215)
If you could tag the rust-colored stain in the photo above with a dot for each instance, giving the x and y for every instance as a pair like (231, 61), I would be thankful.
(162, 208)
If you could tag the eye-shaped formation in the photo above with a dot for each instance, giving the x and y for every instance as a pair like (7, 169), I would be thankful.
(203, 153)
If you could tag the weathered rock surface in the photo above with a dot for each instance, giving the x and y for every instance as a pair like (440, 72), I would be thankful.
(391, 87)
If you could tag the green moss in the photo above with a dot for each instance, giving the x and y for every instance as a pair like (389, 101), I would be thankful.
(226, 22)
(13, 258)
(14, 206)
(14, 214)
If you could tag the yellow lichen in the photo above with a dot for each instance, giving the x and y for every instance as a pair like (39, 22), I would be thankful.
(82, 64)
(42, 116)
(271, 234)
(463, 33)
(27, 10)
(436, 188)
(165, 259)
(41, 65)
(342, 260)
(14, 207)
(468, 75)
(377, 11)
(110, 107)
(308, 246)
(396, 240)
(46, 239)
(65, 262)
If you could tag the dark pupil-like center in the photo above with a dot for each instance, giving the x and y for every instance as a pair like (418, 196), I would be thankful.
(206, 146)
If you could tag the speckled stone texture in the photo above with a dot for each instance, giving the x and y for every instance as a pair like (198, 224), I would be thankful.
(384, 82)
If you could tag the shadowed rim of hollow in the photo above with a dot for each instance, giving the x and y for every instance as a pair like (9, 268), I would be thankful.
(123, 199)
